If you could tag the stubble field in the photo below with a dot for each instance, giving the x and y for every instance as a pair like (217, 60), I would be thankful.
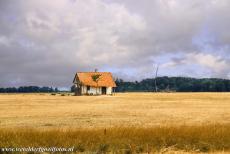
(141, 121)
(131, 109)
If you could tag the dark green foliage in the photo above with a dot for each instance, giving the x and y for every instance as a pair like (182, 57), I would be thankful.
(96, 77)
(72, 88)
(28, 89)
(178, 84)
(164, 84)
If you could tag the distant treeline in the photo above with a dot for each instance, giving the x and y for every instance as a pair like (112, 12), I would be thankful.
(28, 89)
(164, 84)
(177, 84)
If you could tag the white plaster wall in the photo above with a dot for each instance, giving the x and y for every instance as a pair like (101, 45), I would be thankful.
(94, 90)
(83, 89)
(109, 90)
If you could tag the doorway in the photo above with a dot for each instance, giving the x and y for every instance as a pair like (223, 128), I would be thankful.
(103, 90)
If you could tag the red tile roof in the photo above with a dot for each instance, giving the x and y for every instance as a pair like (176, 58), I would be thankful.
(105, 79)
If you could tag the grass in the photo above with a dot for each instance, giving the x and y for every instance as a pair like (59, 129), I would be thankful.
(124, 123)
(205, 138)
(131, 109)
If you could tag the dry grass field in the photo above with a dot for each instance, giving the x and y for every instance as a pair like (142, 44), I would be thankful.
(137, 122)
(131, 109)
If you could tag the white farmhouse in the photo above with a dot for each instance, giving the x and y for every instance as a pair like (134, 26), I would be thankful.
(94, 83)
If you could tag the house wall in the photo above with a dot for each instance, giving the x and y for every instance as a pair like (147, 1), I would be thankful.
(93, 90)
(83, 90)
(109, 90)
(77, 89)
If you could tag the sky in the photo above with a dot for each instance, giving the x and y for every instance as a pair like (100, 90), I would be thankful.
(45, 43)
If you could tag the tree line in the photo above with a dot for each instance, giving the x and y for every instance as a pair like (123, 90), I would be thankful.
(174, 84)
(164, 84)
(28, 89)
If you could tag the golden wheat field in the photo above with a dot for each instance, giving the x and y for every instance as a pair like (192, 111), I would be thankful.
(123, 123)
(129, 109)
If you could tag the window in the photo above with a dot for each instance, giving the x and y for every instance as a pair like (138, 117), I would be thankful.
(88, 88)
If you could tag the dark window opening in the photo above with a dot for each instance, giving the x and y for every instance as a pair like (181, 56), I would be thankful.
(88, 88)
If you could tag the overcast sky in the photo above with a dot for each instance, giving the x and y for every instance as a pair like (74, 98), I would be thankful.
(44, 42)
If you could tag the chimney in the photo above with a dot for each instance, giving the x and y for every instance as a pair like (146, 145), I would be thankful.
(95, 70)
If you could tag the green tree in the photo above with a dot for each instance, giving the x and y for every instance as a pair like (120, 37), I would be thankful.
(72, 88)
(96, 78)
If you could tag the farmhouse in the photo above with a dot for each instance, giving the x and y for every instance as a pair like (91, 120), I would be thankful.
(94, 83)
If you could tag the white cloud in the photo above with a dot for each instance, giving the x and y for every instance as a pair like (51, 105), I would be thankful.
(200, 63)
(217, 64)
(209, 60)
(45, 42)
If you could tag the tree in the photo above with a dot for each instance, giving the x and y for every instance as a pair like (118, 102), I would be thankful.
(179, 84)
(96, 78)
(73, 88)
(56, 89)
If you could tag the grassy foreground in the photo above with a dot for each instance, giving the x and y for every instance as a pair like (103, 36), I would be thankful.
(205, 138)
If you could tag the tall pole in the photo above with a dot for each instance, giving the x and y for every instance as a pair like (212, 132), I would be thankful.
(156, 78)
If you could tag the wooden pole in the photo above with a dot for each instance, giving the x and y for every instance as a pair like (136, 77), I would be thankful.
(156, 78)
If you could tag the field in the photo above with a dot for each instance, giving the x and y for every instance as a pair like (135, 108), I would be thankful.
(185, 121)
(132, 109)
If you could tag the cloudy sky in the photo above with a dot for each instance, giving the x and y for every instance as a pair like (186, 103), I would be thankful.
(45, 42)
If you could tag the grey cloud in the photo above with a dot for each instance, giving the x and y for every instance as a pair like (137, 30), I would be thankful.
(45, 42)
